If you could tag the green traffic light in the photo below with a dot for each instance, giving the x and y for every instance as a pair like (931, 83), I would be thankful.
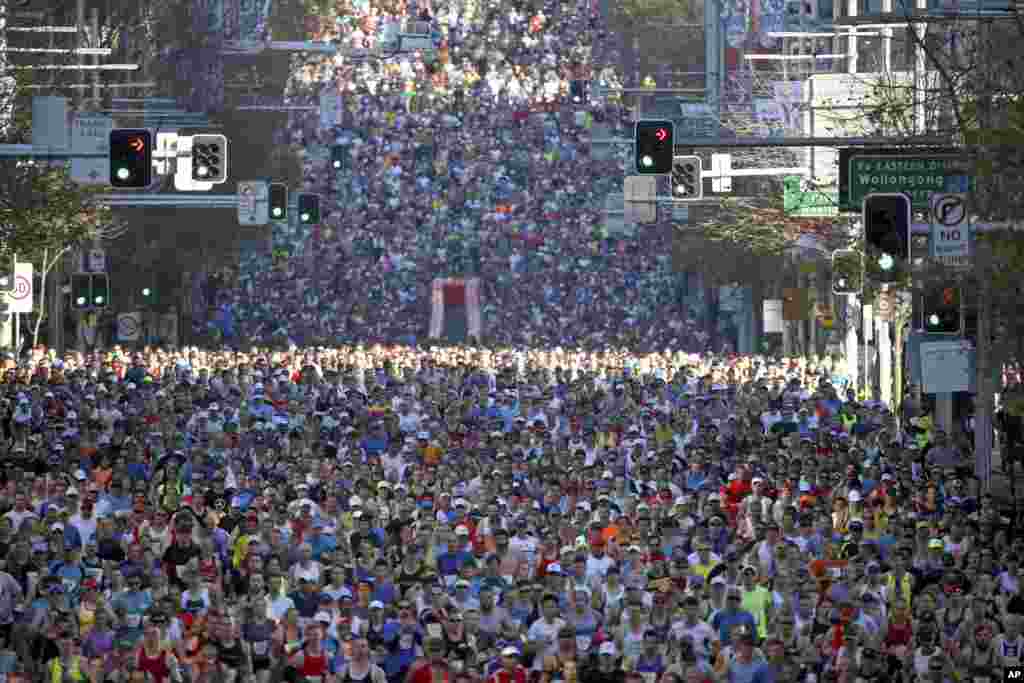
(886, 262)
(305, 217)
(80, 301)
(147, 292)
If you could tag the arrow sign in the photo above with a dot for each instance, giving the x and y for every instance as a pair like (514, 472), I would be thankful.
(661, 134)
(137, 144)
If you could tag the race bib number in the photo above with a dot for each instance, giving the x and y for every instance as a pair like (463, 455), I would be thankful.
(260, 648)
(583, 643)
(133, 620)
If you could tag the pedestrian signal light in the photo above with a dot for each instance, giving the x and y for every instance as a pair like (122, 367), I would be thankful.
(81, 290)
(309, 209)
(100, 290)
(278, 201)
(338, 156)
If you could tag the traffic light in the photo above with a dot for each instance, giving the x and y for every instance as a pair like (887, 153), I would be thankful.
(81, 291)
(209, 158)
(578, 91)
(847, 271)
(131, 158)
(686, 178)
(309, 209)
(100, 290)
(654, 146)
(148, 295)
(89, 291)
(339, 155)
(278, 201)
(887, 234)
(7, 275)
(940, 310)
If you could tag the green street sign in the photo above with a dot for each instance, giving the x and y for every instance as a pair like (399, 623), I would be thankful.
(796, 201)
(918, 176)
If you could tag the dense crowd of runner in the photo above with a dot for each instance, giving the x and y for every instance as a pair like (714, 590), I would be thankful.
(519, 512)
(466, 514)
(473, 159)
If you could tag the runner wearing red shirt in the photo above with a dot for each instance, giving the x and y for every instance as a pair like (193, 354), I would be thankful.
(511, 670)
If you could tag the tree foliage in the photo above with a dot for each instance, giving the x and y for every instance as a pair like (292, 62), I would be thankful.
(40, 208)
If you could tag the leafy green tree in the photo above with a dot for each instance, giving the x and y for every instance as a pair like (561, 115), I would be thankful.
(43, 215)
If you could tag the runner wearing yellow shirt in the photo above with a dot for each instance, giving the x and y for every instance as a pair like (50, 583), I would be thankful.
(702, 561)
(757, 600)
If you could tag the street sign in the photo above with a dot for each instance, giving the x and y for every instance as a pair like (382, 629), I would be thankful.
(945, 366)
(129, 326)
(950, 242)
(918, 172)
(699, 120)
(917, 176)
(166, 148)
(20, 299)
(90, 134)
(721, 165)
(798, 200)
(330, 108)
(253, 202)
(639, 193)
(773, 322)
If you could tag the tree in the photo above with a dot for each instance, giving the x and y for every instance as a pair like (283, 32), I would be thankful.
(972, 84)
(43, 215)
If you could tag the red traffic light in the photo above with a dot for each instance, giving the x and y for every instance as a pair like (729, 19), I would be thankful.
(949, 296)
(661, 134)
(137, 144)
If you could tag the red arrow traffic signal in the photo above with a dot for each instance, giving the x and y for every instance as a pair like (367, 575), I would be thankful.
(661, 134)
(137, 144)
